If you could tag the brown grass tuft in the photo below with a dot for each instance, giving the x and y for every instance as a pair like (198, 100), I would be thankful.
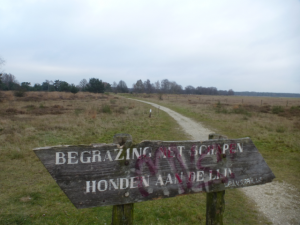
(25, 199)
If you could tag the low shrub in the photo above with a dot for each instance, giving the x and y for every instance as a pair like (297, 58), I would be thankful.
(106, 109)
(280, 129)
(120, 110)
(11, 110)
(219, 108)
(276, 109)
(19, 93)
(295, 111)
(16, 155)
(265, 109)
(29, 107)
(131, 106)
(240, 110)
(78, 111)
(112, 101)
(297, 125)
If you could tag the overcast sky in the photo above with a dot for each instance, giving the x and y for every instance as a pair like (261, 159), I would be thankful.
(234, 44)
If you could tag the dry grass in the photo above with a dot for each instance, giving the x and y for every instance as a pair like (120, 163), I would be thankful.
(272, 123)
(227, 100)
(29, 195)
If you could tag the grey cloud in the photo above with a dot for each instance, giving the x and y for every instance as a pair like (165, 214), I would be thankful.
(216, 43)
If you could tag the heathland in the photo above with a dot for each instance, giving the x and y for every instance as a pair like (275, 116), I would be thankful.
(29, 195)
(272, 123)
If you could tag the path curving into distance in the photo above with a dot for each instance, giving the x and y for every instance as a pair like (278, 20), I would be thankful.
(279, 202)
(194, 129)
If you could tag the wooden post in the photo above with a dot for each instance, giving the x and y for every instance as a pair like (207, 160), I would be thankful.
(215, 202)
(215, 206)
(150, 113)
(122, 214)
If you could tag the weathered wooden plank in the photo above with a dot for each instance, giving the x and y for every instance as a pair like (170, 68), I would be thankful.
(107, 174)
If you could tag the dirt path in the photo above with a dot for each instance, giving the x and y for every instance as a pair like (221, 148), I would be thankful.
(279, 202)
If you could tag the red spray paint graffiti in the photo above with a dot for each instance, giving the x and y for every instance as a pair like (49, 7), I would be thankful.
(171, 154)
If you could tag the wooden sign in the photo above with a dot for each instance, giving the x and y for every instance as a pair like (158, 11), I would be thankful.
(110, 174)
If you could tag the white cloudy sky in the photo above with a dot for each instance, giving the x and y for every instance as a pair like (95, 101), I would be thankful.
(240, 44)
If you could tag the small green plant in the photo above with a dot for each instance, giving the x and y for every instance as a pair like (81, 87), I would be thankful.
(112, 101)
(16, 155)
(78, 111)
(245, 118)
(42, 106)
(219, 108)
(29, 107)
(241, 110)
(136, 112)
(295, 111)
(276, 109)
(280, 129)
(265, 109)
(296, 108)
(106, 109)
(120, 110)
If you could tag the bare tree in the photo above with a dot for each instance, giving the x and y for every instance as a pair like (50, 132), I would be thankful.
(190, 89)
(165, 85)
(175, 88)
(8, 78)
(148, 86)
(114, 86)
(82, 84)
(1, 63)
(122, 87)
(139, 87)
(157, 85)
(230, 92)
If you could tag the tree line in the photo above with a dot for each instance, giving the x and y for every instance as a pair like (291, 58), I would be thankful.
(9, 82)
(171, 87)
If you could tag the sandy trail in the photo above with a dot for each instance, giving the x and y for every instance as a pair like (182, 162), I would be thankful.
(279, 202)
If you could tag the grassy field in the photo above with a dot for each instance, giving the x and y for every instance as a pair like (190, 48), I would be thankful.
(28, 194)
(272, 123)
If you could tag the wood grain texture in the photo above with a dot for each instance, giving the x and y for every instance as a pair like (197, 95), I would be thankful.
(122, 214)
(215, 207)
(215, 201)
(105, 174)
